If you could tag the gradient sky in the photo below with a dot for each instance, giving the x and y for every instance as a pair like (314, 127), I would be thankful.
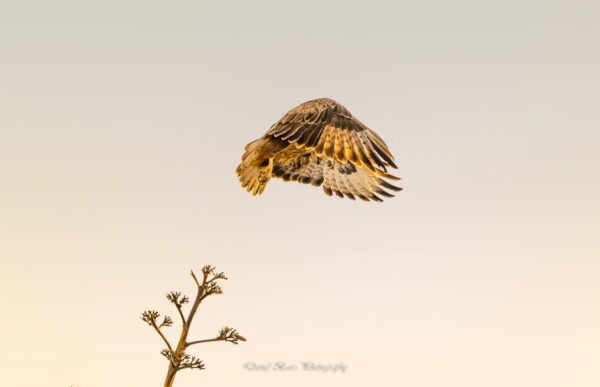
(122, 122)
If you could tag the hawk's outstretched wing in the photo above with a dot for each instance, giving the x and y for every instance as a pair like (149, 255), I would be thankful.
(327, 128)
(320, 142)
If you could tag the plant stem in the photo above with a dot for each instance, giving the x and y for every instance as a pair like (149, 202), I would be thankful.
(162, 335)
(203, 341)
(181, 345)
(170, 376)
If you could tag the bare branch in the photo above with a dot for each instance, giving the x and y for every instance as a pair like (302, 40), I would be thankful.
(181, 314)
(178, 300)
(196, 279)
(150, 317)
(203, 341)
(225, 334)
(163, 337)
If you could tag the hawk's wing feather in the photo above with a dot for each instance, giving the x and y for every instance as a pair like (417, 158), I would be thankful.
(327, 128)
(342, 179)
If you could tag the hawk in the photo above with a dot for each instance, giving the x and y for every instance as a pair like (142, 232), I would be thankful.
(321, 143)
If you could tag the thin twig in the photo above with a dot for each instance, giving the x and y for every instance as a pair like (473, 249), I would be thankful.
(161, 335)
(180, 313)
(196, 279)
(203, 341)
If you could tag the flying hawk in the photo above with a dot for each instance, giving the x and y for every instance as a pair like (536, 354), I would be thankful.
(321, 143)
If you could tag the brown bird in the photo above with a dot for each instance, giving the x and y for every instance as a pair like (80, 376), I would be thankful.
(321, 143)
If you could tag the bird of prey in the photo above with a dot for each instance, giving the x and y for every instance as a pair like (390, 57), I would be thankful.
(321, 143)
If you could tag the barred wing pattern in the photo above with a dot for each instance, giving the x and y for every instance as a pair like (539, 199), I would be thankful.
(344, 180)
(321, 143)
(331, 131)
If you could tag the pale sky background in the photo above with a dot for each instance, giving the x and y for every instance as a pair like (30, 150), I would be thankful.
(122, 122)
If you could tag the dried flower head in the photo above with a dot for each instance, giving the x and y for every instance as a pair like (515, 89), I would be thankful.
(230, 335)
(150, 316)
(189, 361)
(213, 288)
(167, 322)
(210, 275)
(177, 298)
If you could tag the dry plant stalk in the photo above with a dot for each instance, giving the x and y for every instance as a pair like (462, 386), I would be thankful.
(177, 357)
